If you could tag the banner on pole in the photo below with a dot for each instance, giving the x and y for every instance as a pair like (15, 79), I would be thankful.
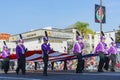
(98, 12)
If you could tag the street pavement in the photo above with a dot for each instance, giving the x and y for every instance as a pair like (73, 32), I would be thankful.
(61, 75)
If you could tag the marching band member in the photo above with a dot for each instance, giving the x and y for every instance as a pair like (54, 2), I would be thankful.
(20, 53)
(45, 50)
(112, 51)
(100, 50)
(78, 51)
(5, 56)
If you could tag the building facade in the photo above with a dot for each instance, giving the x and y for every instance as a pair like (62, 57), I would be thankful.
(5, 37)
(58, 39)
(33, 39)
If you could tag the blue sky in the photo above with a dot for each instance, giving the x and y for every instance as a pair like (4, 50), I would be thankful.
(17, 16)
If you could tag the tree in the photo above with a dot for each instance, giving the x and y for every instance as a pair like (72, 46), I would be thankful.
(119, 27)
(83, 28)
(118, 37)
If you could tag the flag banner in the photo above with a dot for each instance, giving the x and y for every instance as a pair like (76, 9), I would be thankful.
(98, 12)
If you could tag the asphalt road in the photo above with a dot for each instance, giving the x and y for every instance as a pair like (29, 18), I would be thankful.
(60, 75)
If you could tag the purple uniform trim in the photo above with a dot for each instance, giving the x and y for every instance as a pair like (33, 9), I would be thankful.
(100, 47)
(112, 50)
(77, 47)
(20, 50)
(5, 53)
(45, 48)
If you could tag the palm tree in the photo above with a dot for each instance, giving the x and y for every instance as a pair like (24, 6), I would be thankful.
(83, 28)
(119, 27)
(118, 35)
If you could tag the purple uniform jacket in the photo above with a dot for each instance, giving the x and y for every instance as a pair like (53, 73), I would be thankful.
(45, 48)
(78, 47)
(20, 49)
(5, 53)
(112, 50)
(106, 52)
(100, 47)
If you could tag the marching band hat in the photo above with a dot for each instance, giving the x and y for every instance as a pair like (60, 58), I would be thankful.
(102, 37)
(78, 37)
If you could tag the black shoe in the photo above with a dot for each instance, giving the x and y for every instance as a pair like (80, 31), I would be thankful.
(112, 70)
(106, 68)
(17, 72)
(100, 71)
(23, 72)
(79, 71)
(5, 72)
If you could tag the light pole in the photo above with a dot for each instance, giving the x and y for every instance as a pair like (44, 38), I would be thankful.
(100, 15)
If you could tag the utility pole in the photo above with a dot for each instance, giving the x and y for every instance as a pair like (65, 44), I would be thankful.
(101, 15)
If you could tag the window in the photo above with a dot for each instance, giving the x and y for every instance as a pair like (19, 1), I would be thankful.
(14, 50)
(39, 40)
